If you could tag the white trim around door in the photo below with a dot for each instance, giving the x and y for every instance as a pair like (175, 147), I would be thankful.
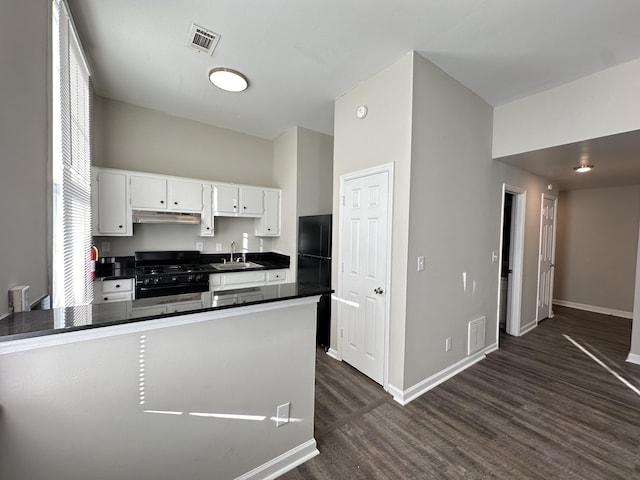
(342, 300)
(517, 247)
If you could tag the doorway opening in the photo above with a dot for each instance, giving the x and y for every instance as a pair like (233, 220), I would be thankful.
(507, 259)
(511, 259)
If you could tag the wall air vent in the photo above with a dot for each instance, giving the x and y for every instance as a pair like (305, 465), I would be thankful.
(201, 39)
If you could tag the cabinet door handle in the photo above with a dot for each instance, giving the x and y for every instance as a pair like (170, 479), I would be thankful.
(161, 201)
(118, 286)
(119, 226)
(175, 203)
(244, 208)
(208, 228)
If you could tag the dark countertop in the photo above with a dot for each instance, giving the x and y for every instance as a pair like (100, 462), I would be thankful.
(114, 268)
(48, 322)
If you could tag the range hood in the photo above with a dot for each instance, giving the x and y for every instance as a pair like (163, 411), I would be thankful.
(141, 216)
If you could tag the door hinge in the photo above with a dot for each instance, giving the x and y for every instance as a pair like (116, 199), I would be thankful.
(342, 333)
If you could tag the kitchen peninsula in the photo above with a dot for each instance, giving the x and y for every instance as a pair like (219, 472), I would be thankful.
(219, 385)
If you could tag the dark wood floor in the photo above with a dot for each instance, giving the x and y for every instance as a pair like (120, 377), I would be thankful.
(538, 408)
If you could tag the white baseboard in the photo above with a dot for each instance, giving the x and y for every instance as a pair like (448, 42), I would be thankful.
(405, 396)
(282, 464)
(333, 354)
(633, 358)
(594, 309)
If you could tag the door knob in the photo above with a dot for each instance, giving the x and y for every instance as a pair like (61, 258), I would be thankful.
(378, 290)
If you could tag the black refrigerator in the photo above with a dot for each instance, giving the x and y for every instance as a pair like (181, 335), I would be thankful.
(314, 266)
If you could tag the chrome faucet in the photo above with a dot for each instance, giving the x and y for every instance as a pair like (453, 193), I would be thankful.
(232, 247)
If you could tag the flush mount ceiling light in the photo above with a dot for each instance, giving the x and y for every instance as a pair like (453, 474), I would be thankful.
(582, 168)
(228, 79)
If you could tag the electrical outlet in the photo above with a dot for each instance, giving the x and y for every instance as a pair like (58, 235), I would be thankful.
(282, 414)
(218, 247)
(199, 246)
(447, 344)
(106, 247)
(420, 263)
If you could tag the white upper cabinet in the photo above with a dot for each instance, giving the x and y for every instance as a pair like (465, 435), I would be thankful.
(148, 192)
(252, 201)
(238, 201)
(117, 193)
(111, 214)
(225, 199)
(159, 193)
(269, 224)
(185, 196)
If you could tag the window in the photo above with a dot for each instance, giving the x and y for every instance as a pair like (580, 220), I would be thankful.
(71, 164)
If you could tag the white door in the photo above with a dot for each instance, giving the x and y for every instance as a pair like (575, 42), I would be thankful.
(547, 254)
(364, 253)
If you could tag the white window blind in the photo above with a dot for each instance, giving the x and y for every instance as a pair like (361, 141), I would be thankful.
(71, 162)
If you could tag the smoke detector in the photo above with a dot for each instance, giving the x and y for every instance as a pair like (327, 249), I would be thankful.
(202, 39)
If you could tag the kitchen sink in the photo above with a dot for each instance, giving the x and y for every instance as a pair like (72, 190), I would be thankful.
(236, 266)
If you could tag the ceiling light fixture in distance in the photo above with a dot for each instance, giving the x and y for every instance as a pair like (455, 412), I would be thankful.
(228, 79)
(583, 168)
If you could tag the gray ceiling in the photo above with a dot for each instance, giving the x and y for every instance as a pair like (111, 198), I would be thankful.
(300, 55)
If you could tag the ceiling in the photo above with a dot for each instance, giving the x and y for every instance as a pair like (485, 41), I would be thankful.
(300, 55)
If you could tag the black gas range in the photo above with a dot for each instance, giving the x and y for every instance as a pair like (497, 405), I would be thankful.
(172, 272)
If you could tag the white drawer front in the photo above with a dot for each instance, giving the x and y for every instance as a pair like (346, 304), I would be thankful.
(114, 286)
(115, 297)
(276, 276)
(243, 277)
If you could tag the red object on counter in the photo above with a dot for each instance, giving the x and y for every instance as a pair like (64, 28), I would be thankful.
(94, 259)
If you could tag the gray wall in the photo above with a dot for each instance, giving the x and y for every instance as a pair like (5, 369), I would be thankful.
(136, 138)
(383, 136)
(447, 207)
(285, 167)
(303, 168)
(596, 247)
(454, 222)
(73, 412)
(24, 146)
(315, 173)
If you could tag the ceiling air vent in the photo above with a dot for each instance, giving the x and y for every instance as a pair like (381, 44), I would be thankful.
(201, 39)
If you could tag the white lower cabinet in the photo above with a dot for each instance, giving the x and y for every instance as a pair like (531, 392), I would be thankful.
(256, 278)
(113, 290)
